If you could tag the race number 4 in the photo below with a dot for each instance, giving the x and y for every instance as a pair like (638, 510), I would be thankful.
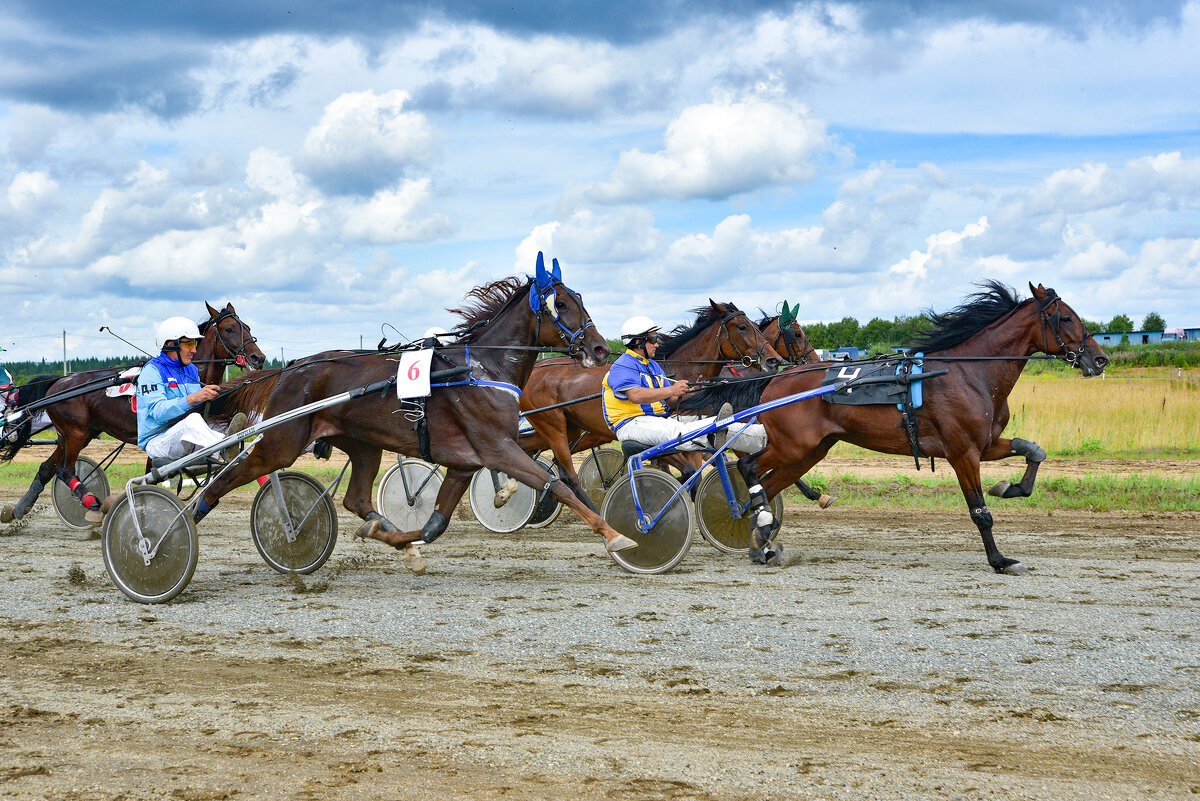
(412, 376)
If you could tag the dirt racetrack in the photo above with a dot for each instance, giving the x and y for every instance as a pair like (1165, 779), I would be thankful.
(884, 661)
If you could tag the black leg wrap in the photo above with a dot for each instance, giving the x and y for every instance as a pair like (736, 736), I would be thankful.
(434, 527)
(202, 510)
(982, 516)
(29, 498)
(322, 449)
(1031, 450)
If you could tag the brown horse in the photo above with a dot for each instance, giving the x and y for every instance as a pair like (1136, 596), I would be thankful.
(472, 423)
(226, 340)
(721, 333)
(984, 343)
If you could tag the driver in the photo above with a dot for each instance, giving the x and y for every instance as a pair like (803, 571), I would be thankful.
(638, 395)
(169, 386)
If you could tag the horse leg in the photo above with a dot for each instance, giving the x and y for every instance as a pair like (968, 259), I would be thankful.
(1003, 449)
(566, 470)
(764, 546)
(74, 442)
(966, 466)
(278, 449)
(44, 476)
(448, 496)
(823, 500)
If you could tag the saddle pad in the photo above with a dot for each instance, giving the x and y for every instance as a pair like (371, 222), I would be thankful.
(875, 393)
(127, 388)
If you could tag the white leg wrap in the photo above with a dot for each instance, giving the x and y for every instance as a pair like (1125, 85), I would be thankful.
(756, 488)
(765, 518)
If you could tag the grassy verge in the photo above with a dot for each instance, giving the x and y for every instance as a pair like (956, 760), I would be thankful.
(1090, 493)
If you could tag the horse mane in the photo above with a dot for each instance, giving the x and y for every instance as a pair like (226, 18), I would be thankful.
(965, 320)
(32, 390)
(484, 303)
(740, 393)
(247, 393)
(677, 337)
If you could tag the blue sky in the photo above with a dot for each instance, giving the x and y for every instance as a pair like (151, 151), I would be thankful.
(331, 167)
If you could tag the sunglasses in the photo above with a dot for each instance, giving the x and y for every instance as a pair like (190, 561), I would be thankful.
(653, 339)
(189, 344)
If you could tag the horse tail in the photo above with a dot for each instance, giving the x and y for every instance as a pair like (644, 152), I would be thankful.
(248, 393)
(34, 389)
(741, 393)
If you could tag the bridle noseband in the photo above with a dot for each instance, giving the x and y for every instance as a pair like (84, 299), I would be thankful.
(1053, 323)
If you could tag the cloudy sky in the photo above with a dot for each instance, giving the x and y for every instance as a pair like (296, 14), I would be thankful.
(334, 166)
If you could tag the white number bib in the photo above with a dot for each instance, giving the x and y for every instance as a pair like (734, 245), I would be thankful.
(412, 376)
(127, 387)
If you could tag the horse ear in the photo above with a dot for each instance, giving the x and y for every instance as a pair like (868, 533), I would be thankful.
(211, 311)
(229, 308)
(539, 273)
(714, 304)
(1038, 291)
(555, 271)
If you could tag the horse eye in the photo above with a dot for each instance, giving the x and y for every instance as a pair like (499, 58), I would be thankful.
(741, 327)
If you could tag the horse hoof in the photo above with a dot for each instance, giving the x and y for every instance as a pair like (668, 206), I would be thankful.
(107, 504)
(93, 516)
(619, 543)
(758, 556)
(368, 529)
(1015, 569)
(413, 560)
(999, 488)
(825, 501)
(6, 515)
(506, 492)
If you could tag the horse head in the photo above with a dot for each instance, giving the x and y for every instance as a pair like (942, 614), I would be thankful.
(739, 339)
(230, 338)
(1064, 333)
(553, 301)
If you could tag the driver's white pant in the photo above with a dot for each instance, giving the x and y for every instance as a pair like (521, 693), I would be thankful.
(189, 434)
(650, 430)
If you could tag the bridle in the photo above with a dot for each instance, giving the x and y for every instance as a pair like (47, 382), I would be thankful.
(236, 354)
(1053, 324)
(760, 342)
(542, 300)
(790, 344)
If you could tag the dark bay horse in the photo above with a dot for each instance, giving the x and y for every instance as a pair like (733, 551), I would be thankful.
(226, 340)
(985, 343)
(721, 333)
(469, 426)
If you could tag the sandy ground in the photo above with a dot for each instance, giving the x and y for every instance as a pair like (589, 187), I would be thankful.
(884, 661)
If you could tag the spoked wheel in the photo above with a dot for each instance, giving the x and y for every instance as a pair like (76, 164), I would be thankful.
(719, 527)
(602, 468)
(308, 510)
(409, 510)
(69, 509)
(547, 509)
(170, 536)
(512, 514)
(662, 547)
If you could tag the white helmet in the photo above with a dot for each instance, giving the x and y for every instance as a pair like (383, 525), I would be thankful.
(174, 329)
(637, 326)
(442, 336)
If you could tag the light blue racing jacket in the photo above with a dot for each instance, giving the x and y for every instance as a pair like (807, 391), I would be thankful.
(162, 390)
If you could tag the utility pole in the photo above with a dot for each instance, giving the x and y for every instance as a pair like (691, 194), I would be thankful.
(282, 362)
(360, 342)
(64, 352)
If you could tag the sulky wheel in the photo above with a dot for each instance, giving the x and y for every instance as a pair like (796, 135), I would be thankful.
(662, 547)
(409, 510)
(169, 536)
(512, 514)
(599, 471)
(547, 509)
(310, 514)
(69, 509)
(719, 527)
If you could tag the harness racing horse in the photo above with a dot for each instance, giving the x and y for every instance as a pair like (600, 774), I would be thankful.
(721, 333)
(984, 343)
(471, 423)
(225, 340)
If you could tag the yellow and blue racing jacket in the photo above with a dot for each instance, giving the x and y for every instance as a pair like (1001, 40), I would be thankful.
(632, 370)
